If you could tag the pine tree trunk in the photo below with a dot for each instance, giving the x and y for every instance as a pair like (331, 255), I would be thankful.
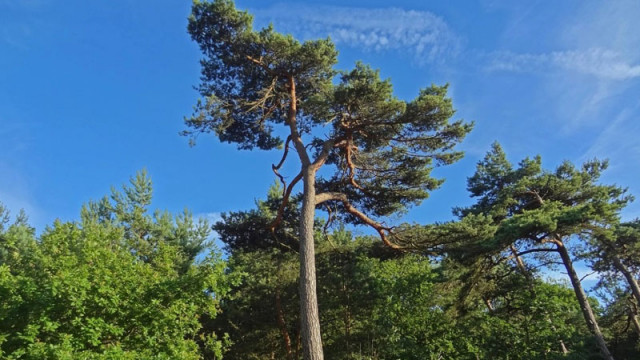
(587, 312)
(634, 320)
(633, 284)
(310, 321)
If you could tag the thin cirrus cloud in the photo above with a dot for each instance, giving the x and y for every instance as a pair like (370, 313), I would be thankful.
(600, 63)
(425, 36)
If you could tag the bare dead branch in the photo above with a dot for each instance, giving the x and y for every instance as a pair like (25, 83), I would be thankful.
(262, 101)
(275, 168)
(536, 195)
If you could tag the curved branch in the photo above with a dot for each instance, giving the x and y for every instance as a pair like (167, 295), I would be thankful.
(352, 167)
(284, 156)
(285, 200)
(383, 231)
(587, 275)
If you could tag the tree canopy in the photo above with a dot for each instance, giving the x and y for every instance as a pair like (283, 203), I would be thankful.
(381, 149)
(117, 284)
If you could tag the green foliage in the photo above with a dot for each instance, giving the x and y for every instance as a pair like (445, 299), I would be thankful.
(533, 320)
(381, 149)
(618, 246)
(129, 210)
(390, 145)
(408, 319)
(534, 211)
(250, 314)
(98, 289)
(245, 75)
(618, 319)
(377, 304)
(530, 207)
(247, 231)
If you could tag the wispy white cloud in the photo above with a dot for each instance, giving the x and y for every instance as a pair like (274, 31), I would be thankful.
(604, 24)
(583, 63)
(600, 63)
(423, 35)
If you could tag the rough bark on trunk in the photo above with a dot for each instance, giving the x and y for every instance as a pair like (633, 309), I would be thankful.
(309, 316)
(634, 320)
(633, 284)
(310, 322)
(587, 312)
(520, 263)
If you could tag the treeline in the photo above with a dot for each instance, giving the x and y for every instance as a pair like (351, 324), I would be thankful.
(479, 287)
(124, 282)
(118, 283)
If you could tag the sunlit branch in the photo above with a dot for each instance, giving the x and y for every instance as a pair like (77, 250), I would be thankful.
(383, 231)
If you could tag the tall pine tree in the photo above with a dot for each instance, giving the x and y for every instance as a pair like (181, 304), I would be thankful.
(380, 149)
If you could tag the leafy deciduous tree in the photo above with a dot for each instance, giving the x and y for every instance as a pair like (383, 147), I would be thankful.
(119, 284)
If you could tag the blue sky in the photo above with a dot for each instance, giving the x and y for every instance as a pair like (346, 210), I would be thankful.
(91, 92)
